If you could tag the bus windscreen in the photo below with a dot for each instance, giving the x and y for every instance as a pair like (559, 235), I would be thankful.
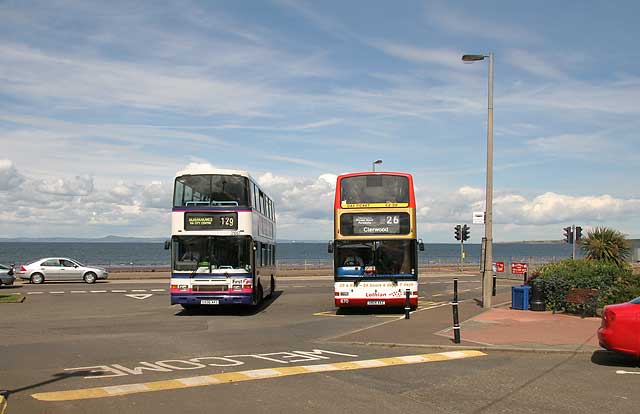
(211, 190)
(378, 190)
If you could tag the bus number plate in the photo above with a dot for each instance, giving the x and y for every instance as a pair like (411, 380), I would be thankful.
(210, 302)
(375, 302)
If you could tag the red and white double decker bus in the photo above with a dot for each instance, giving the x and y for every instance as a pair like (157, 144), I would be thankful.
(375, 249)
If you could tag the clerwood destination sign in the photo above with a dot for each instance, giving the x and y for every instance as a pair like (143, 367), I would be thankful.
(211, 221)
(359, 224)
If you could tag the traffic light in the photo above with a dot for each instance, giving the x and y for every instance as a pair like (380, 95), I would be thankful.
(568, 235)
(458, 232)
(465, 232)
(578, 233)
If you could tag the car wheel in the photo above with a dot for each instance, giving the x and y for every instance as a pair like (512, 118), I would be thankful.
(37, 278)
(90, 278)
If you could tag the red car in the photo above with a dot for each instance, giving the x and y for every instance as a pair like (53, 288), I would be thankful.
(620, 329)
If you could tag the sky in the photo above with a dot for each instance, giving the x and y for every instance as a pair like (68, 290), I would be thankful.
(101, 103)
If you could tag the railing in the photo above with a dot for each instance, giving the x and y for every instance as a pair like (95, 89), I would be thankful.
(471, 264)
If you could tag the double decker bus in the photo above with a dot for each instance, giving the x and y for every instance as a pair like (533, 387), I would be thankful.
(375, 249)
(223, 232)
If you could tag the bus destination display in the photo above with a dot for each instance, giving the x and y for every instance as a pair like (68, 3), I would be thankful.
(211, 221)
(358, 224)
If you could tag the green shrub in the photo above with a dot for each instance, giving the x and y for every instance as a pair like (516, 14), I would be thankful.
(615, 284)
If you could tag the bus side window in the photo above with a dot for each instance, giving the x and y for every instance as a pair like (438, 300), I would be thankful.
(261, 203)
(255, 196)
(258, 254)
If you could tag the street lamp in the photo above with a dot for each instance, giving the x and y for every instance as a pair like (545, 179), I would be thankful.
(488, 227)
(373, 164)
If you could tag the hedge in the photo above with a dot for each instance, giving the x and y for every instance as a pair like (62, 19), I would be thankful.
(615, 284)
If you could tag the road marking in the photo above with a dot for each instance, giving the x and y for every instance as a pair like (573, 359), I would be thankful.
(35, 293)
(140, 296)
(328, 313)
(138, 290)
(98, 291)
(57, 292)
(78, 291)
(438, 294)
(251, 375)
(118, 291)
(157, 290)
(623, 372)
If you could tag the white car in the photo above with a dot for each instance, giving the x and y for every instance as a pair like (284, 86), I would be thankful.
(60, 268)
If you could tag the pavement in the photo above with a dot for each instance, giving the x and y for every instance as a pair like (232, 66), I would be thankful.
(499, 328)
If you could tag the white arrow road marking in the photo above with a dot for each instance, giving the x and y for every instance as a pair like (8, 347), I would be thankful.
(622, 372)
(140, 296)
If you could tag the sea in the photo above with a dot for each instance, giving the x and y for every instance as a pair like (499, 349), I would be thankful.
(146, 254)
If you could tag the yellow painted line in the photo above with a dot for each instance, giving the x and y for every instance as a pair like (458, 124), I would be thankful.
(241, 376)
(3, 404)
(438, 294)
(328, 313)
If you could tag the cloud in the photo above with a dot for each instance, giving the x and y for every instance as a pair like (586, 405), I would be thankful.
(443, 57)
(9, 176)
(76, 186)
(454, 21)
(300, 199)
(515, 209)
(76, 206)
(533, 64)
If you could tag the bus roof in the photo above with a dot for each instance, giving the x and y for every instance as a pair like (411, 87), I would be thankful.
(412, 198)
(204, 170)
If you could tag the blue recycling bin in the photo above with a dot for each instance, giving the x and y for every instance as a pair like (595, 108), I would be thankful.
(520, 297)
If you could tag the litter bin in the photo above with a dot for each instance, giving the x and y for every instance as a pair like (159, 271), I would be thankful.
(520, 297)
(537, 302)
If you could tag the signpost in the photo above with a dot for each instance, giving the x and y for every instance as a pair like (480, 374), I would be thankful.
(478, 217)
(499, 266)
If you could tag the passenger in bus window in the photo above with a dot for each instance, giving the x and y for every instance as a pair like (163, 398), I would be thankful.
(190, 255)
(353, 260)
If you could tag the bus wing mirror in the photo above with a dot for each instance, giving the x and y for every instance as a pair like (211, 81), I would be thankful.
(330, 247)
(255, 246)
(167, 244)
(421, 245)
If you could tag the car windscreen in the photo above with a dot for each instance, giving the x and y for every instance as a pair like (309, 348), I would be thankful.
(636, 301)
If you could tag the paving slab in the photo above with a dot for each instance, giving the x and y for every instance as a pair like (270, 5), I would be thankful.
(505, 326)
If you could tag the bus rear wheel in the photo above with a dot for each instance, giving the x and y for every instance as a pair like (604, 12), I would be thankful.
(272, 289)
(259, 296)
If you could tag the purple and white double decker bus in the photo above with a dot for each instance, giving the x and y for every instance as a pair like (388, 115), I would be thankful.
(223, 232)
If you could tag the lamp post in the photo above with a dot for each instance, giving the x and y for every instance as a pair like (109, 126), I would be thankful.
(488, 226)
(373, 164)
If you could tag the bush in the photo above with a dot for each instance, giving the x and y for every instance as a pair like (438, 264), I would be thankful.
(615, 284)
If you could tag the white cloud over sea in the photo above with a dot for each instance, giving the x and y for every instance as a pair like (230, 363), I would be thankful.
(76, 206)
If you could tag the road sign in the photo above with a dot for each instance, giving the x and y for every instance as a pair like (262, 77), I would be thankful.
(478, 217)
(499, 267)
(518, 268)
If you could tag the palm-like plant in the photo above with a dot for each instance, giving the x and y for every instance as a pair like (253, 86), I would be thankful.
(606, 244)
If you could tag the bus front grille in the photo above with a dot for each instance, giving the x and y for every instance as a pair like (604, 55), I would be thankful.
(209, 288)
